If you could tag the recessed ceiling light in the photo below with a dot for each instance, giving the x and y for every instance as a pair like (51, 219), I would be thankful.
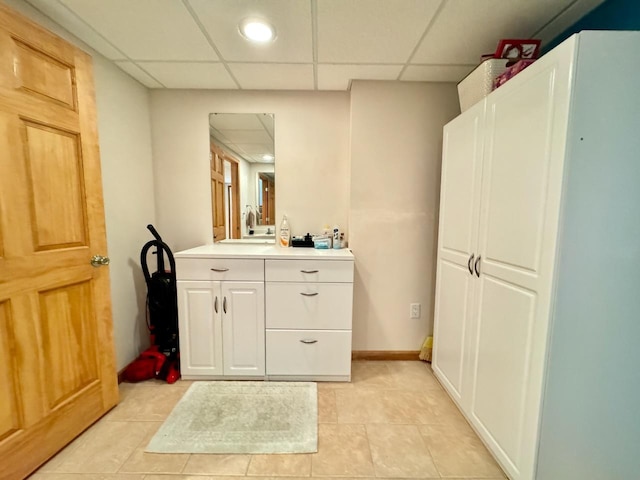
(267, 157)
(257, 30)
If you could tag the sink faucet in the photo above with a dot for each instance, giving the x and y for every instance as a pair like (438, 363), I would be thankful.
(269, 232)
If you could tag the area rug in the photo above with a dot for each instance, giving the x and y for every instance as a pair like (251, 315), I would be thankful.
(242, 417)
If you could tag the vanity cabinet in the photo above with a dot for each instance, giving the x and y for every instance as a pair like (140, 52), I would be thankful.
(308, 318)
(221, 318)
(263, 312)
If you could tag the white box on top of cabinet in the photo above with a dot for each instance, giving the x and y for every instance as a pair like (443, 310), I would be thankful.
(538, 246)
(257, 312)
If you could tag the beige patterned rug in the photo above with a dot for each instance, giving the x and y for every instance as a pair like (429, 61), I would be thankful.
(242, 417)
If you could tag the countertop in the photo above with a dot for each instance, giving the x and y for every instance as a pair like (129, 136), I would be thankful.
(232, 250)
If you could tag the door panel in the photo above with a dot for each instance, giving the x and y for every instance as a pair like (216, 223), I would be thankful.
(217, 196)
(54, 168)
(517, 173)
(460, 184)
(452, 310)
(55, 314)
(243, 328)
(504, 336)
(200, 328)
(10, 417)
(43, 75)
(68, 341)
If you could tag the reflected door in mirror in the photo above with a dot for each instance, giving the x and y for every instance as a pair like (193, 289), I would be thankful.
(267, 200)
(217, 196)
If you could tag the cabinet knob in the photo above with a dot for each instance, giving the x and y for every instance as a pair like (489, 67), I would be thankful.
(215, 304)
(469, 264)
(224, 304)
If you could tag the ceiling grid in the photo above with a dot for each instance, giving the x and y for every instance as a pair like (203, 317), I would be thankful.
(319, 44)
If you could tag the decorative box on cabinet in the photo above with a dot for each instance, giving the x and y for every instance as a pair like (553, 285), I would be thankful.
(221, 317)
(537, 183)
(308, 318)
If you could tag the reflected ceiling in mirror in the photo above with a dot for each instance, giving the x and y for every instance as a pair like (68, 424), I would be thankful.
(242, 176)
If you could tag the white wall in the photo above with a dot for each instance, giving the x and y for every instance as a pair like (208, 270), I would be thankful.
(127, 177)
(311, 148)
(396, 144)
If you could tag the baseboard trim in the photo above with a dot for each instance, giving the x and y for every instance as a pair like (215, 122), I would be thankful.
(385, 355)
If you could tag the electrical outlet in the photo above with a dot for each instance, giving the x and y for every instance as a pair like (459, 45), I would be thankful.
(415, 310)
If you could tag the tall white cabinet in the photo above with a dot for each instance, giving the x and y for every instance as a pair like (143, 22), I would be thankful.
(505, 210)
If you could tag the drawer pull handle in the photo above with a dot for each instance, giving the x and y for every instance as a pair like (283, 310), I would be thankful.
(309, 271)
(224, 304)
(309, 294)
(215, 305)
(219, 269)
(309, 342)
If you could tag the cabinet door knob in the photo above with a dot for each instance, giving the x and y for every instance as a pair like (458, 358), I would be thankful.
(308, 342)
(224, 304)
(309, 294)
(309, 271)
(469, 264)
(475, 267)
(219, 269)
(215, 304)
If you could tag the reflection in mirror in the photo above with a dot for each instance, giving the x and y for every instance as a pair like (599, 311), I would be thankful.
(243, 181)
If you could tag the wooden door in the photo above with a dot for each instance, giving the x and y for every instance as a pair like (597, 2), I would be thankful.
(522, 181)
(457, 248)
(217, 196)
(56, 349)
(200, 307)
(243, 328)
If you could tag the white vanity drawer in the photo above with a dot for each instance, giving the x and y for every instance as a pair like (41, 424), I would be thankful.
(308, 352)
(339, 271)
(220, 269)
(309, 306)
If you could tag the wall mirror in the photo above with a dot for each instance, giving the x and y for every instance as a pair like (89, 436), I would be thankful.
(243, 178)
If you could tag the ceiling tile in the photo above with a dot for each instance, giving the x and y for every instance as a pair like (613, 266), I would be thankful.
(291, 19)
(136, 72)
(146, 29)
(465, 30)
(242, 137)
(272, 76)
(371, 31)
(190, 75)
(337, 77)
(566, 19)
(436, 73)
(70, 21)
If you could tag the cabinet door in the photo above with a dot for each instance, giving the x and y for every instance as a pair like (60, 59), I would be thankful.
(200, 323)
(459, 211)
(522, 176)
(243, 328)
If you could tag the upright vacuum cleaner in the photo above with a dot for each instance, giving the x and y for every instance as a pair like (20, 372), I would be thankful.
(161, 360)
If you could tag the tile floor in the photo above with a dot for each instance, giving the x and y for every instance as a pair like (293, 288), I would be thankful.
(393, 421)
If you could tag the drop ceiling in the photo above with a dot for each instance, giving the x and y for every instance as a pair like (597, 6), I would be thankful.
(320, 44)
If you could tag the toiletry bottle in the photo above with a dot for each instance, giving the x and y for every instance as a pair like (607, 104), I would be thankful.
(326, 230)
(336, 237)
(285, 233)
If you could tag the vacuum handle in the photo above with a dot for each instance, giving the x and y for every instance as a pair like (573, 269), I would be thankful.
(154, 232)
